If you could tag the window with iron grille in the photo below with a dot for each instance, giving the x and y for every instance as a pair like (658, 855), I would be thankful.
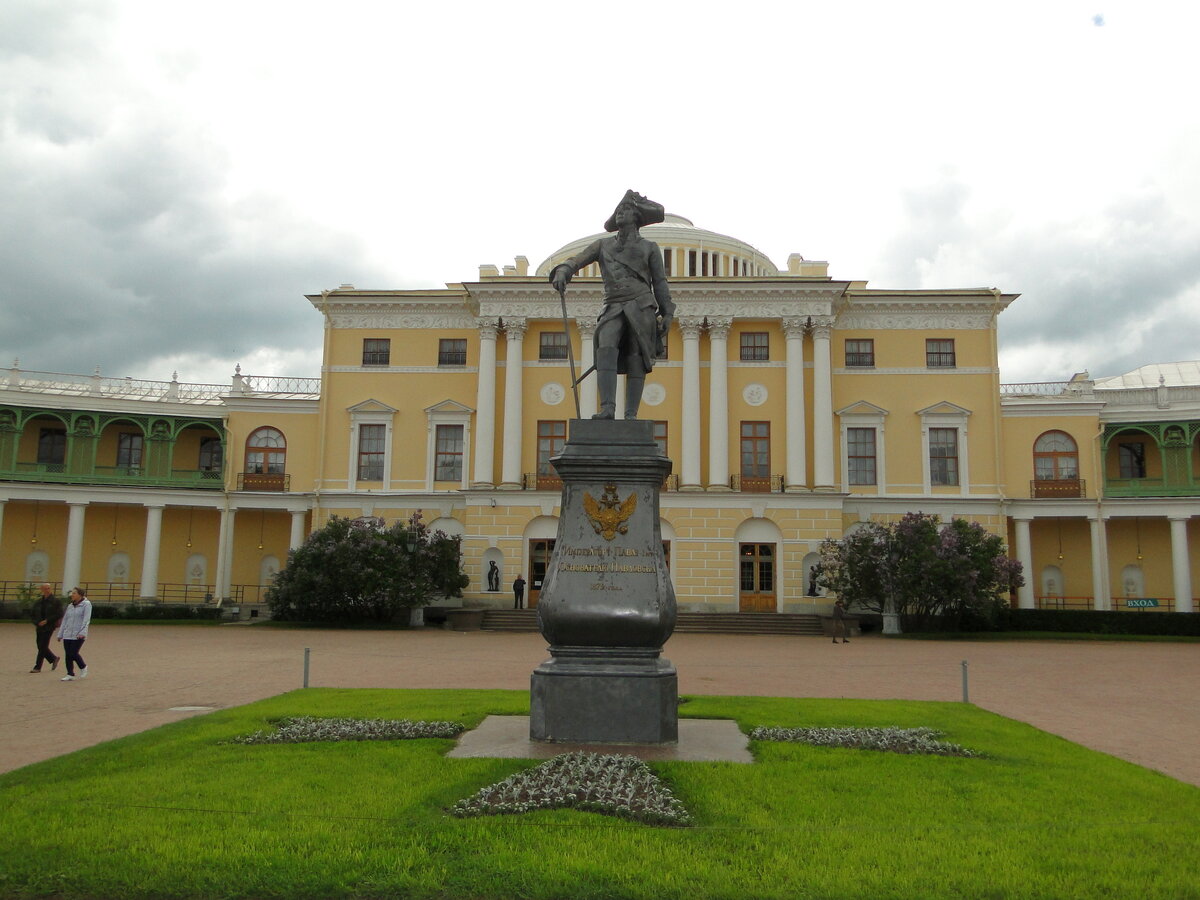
(371, 445)
(448, 462)
(52, 446)
(943, 456)
(129, 450)
(377, 351)
(860, 353)
(939, 353)
(552, 345)
(756, 449)
(552, 437)
(755, 346)
(452, 352)
(860, 455)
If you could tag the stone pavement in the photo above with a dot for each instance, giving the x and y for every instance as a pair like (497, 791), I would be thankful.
(1137, 701)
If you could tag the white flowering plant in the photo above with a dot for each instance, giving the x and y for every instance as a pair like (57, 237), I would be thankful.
(304, 729)
(891, 739)
(621, 786)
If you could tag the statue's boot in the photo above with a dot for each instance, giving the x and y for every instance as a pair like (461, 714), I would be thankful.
(633, 394)
(606, 382)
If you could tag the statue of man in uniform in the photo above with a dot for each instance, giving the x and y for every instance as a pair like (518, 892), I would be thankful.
(637, 312)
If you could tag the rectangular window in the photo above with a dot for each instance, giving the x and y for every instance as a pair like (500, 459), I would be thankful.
(756, 449)
(943, 456)
(552, 437)
(860, 452)
(129, 450)
(377, 351)
(755, 346)
(448, 463)
(452, 352)
(860, 353)
(1132, 458)
(660, 437)
(691, 262)
(668, 253)
(552, 345)
(371, 440)
(939, 353)
(52, 446)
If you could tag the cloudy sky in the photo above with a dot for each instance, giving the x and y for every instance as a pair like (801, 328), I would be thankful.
(176, 176)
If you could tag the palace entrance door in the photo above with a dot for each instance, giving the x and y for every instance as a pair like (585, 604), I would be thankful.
(539, 560)
(756, 576)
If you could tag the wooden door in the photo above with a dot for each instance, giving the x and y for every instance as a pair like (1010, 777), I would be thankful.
(756, 574)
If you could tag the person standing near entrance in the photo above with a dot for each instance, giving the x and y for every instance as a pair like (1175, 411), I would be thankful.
(519, 592)
(46, 612)
(73, 632)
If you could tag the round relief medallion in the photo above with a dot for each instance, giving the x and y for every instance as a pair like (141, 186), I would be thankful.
(755, 394)
(654, 394)
(553, 394)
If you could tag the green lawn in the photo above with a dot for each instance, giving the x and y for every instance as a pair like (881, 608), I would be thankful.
(175, 812)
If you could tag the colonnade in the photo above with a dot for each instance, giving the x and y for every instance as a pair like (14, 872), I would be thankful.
(148, 585)
(690, 475)
(1181, 574)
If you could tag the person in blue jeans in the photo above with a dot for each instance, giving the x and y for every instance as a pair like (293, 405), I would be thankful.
(73, 632)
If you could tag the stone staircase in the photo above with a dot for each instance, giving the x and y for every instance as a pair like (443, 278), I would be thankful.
(687, 623)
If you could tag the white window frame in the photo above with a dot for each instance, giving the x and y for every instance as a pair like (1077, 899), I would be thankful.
(946, 415)
(370, 412)
(448, 412)
(864, 415)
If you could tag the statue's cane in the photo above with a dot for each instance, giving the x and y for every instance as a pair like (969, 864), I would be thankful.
(562, 296)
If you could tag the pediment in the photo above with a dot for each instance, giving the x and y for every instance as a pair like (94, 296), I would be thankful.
(449, 406)
(862, 408)
(944, 408)
(371, 407)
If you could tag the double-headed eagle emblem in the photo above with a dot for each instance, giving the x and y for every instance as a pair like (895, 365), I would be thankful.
(609, 515)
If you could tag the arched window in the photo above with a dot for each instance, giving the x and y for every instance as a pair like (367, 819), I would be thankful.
(1055, 457)
(266, 452)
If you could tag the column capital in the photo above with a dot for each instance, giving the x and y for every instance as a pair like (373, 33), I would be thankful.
(587, 327)
(1181, 517)
(487, 328)
(794, 326)
(689, 327)
(514, 329)
(822, 327)
(719, 327)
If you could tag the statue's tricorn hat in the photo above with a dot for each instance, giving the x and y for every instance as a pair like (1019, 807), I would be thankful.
(649, 212)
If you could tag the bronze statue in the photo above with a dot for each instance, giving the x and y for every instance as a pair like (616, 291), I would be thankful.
(637, 313)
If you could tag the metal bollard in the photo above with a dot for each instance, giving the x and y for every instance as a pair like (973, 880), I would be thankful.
(307, 651)
(966, 693)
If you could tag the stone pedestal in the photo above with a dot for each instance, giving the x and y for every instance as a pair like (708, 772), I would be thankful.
(607, 605)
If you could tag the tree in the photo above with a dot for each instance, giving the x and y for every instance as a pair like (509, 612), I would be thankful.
(357, 570)
(917, 571)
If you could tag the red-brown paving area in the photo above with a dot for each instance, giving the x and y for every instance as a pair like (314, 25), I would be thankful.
(1138, 701)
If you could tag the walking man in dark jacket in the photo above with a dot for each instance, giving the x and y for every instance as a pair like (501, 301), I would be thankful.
(46, 613)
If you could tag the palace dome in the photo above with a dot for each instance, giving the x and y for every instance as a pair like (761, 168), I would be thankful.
(689, 251)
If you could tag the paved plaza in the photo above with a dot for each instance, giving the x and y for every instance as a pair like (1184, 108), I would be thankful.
(1137, 701)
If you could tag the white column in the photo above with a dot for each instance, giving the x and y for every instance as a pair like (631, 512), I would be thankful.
(587, 358)
(689, 470)
(485, 405)
(1025, 599)
(1180, 564)
(718, 404)
(1, 522)
(297, 536)
(74, 556)
(149, 588)
(224, 578)
(510, 467)
(1100, 590)
(823, 474)
(796, 476)
(620, 398)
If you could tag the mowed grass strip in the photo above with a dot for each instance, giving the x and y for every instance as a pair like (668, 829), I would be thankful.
(179, 812)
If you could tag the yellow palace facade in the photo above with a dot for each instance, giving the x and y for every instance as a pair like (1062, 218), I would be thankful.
(793, 405)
